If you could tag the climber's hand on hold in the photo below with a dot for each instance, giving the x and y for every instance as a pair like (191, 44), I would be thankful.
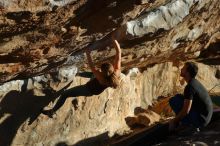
(88, 51)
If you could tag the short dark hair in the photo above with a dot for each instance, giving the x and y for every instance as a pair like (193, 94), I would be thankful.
(192, 69)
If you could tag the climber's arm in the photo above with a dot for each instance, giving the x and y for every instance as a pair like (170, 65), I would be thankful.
(92, 66)
(117, 60)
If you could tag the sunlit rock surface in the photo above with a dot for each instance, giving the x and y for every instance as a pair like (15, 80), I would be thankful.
(37, 41)
(42, 46)
(22, 102)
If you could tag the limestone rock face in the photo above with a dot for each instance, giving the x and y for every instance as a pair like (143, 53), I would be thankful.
(164, 79)
(34, 34)
(145, 118)
(99, 116)
(23, 123)
(42, 44)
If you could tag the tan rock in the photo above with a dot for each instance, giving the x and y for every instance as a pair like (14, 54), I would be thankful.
(42, 45)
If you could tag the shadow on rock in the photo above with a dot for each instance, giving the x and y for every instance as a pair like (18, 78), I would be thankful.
(100, 140)
(20, 107)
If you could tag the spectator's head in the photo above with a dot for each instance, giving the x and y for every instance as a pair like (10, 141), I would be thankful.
(189, 70)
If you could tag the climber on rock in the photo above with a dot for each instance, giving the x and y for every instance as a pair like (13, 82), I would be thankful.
(107, 76)
(194, 108)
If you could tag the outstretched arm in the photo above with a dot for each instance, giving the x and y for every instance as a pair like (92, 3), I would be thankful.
(91, 65)
(117, 60)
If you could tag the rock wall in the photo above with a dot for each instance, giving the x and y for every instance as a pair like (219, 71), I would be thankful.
(95, 118)
(41, 49)
(164, 79)
(32, 41)
(23, 124)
